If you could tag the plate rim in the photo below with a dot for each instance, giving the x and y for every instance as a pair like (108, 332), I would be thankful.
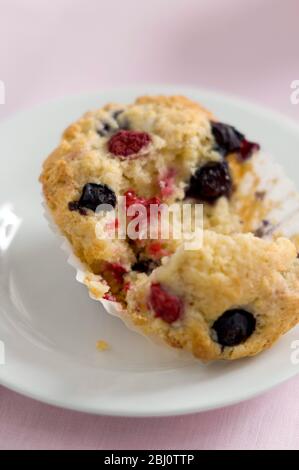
(60, 403)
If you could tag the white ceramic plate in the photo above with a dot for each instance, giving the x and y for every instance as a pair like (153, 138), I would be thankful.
(49, 324)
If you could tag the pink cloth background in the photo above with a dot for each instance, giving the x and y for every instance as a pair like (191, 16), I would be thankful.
(49, 49)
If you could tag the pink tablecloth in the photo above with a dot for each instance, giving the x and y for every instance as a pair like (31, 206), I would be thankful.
(49, 49)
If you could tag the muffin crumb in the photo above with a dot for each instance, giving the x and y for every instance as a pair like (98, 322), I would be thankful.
(102, 345)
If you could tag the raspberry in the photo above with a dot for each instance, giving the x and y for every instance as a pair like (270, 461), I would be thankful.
(153, 200)
(111, 226)
(166, 183)
(109, 296)
(156, 250)
(165, 305)
(127, 286)
(247, 149)
(117, 271)
(125, 143)
(132, 198)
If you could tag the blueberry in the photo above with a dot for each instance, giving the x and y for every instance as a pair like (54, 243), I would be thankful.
(74, 206)
(247, 149)
(230, 140)
(227, 138)
(210, 182)
(234, 327)
(93, 195)
(145, 266)
(117, 122)
(105, 129)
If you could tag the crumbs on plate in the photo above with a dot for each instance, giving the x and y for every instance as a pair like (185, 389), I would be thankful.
(102, 345)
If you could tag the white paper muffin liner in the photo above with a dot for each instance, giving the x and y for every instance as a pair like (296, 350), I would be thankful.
(283, 220)
(281, 194)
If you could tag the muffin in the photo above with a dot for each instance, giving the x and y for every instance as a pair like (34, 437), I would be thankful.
(169, 151)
